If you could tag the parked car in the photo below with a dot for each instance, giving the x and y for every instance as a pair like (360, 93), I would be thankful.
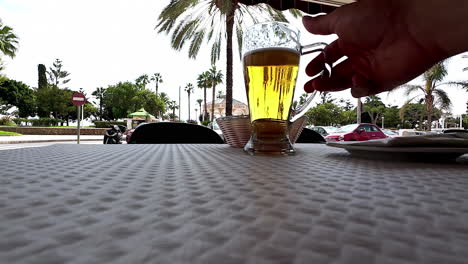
(454, 130)
(129, 132)
(356, 132)
(390, 133)
(324, 130)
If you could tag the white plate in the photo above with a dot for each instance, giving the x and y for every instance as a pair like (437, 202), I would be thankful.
(433, 153)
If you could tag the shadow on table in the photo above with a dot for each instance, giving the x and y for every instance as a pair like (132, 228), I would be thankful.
(391, 158)
(174, 133)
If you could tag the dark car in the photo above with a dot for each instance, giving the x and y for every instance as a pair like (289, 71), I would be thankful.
(324, 130)
(356, 132)
(129, 132)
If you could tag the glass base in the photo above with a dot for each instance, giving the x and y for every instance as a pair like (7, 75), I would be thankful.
(270, 137)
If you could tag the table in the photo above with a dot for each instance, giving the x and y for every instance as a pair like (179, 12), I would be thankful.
(215, 204)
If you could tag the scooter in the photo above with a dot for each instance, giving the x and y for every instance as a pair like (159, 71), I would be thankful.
(114, 135)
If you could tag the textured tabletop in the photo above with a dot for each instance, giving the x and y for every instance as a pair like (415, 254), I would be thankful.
(215, 204)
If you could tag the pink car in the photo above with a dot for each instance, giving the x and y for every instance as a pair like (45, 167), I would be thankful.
(356, 132)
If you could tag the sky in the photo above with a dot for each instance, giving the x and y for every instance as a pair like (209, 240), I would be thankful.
(104, 42)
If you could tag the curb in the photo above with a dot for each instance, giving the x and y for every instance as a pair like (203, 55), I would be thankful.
(47, 140)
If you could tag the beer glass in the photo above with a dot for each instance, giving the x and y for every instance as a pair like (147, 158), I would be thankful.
(271, 55)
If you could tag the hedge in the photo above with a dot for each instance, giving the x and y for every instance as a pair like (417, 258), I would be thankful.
(106, 124)
(45, 121)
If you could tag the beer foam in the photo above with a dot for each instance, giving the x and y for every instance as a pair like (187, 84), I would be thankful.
(272, 48)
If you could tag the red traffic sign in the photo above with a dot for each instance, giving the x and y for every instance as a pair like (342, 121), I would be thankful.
(78, 99)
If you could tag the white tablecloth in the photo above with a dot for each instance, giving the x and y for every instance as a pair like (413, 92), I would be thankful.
(215, 204)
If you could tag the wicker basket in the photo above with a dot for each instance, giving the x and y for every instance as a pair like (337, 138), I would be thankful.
(236, 129)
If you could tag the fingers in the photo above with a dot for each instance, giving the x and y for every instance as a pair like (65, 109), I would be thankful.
(341, 79)
(321, 25)
(331, 54)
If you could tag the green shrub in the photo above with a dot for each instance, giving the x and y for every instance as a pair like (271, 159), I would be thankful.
(20, 121)
(45, 122)
(7, 121)
(106, 124)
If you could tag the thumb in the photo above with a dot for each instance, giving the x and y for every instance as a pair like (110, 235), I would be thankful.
(320, 25)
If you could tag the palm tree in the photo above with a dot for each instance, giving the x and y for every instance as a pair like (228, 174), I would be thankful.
(213, 20)
(8, 40)
(215, 77)
(200, 101)
(99, 94)
(157, 78)
(430, 92)
(172, 105)
(203, 82)
(189, 90)
(142, 81)
(165, 99)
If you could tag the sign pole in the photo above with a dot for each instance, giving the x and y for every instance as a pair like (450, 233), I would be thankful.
(78, 128)
(79, 100)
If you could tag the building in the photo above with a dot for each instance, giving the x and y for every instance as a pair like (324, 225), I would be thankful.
(238, 108)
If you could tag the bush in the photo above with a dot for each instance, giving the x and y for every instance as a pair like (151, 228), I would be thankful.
(20, 121)
(7, 121)
(106, 124)
(45, 121)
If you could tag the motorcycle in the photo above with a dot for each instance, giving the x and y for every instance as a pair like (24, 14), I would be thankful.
(114, 135)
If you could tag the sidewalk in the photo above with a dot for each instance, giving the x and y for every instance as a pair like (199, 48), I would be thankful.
(47, 138)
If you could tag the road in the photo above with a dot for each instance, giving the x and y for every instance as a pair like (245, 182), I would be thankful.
(42, 144)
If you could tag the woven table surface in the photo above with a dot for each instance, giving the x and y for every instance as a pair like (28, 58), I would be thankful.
(215, 204)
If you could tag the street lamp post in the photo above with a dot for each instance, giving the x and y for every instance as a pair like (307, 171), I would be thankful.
(383, 119)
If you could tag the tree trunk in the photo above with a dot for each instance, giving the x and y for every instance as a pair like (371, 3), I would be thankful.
(188, 106)
(212, 105)
(204, 98)
(157, 86)
(371, 115)
(200, 108)
(100, 110)
(229, 32)
(429, 109)
(359, 110)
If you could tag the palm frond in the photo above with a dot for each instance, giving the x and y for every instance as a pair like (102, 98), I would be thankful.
(436, 73)
(196, 44)
(184, 32)
(216, 50)
(239, 33)
(401, 113)
(443, 100)
(408, 89)
(275, 14)
(462, 84)
(296, 13)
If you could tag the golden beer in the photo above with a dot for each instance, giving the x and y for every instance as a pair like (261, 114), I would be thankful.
(270, 78)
